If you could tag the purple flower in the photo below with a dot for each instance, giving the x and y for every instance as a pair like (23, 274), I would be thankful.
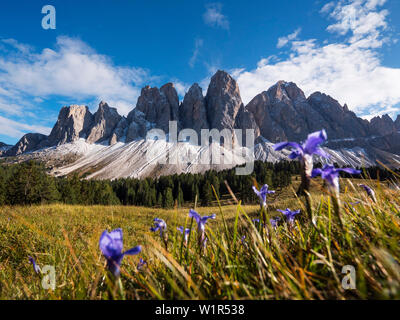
(304, 153)
(256, 221)
(308, 148)
(289, 214)
(243, 240)
(201, 221)
(159, 224)
(262, 194)
(36, 268)
(331, 175)
(187, 232)
(111, 245)
(274, 221)
(141, 264)
(370, 191)
(201, 224)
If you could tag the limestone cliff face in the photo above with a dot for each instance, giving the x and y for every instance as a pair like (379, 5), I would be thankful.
(193, 112)
(397, 123)
(223, 101)
(383, 125)
(73, 123)
(280, 113)
(158, 106)
(105, 121)
(29, 142)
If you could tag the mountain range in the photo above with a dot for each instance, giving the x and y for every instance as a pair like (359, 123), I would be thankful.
(108, 145)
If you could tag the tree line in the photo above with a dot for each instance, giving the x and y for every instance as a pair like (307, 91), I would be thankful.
(28, 183)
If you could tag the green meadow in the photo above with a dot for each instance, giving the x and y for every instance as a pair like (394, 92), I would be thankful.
(300, 261)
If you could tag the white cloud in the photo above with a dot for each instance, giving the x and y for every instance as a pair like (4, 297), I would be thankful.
(214, 17)
(349, 70)
(283, 41)
(197, 45)
(72, 70)
(16, 129)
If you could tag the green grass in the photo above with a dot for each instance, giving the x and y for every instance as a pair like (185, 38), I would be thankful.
(300, 262)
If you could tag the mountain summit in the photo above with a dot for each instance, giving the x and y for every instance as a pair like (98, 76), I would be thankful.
(280, 113)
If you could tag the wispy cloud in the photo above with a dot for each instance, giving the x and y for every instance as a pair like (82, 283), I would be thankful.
(214, 17)
(197, 46)
(74, 70)
(349, 69)
(17, 129)
(283, 41)
(71, 71)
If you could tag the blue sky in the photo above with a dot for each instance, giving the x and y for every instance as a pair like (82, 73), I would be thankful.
(108, 50)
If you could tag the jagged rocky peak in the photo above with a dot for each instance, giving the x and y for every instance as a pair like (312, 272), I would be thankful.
(223, 101)
(193, 111)
(286, 90)
(105, 121)
(159, 106)
(172, 97)
(383, 125)
(73, 123)
(29, 142)
(339, 122)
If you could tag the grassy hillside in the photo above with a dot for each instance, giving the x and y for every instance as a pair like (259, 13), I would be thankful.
(300, 261)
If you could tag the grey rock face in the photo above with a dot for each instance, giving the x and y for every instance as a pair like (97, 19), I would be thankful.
(105, 121)
(73, 123)
(120, 131)
(245, 121)
(29, 142)
(171, 95)
(383, 125)
(138, 126)
(283, 113)
(159, 106)
(193, 112)
(397, 123)
(339, 122)
(223, 101)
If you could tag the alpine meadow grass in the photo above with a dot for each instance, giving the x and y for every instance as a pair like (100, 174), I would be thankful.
(234, 258)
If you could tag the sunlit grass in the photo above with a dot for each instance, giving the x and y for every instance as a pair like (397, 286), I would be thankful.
(303, 261)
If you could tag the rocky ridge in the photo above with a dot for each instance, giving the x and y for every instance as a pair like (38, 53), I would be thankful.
(282, 112)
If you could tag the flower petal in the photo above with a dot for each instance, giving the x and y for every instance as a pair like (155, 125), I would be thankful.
(316, 172)
(283, 145)
(313, 141)
(133, 251)
(350, 170)
(195, 215)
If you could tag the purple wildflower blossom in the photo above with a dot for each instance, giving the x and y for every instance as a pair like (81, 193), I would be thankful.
(274, 221)
(308, 148)
(201, 224)
(187, 232)
(304, 153)
(201, 221)
(141, 264)
(289, 214)
(159, 225)
(111, 245)
(369, 191)
(262, 194)
(36, 268)
(331, 175)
